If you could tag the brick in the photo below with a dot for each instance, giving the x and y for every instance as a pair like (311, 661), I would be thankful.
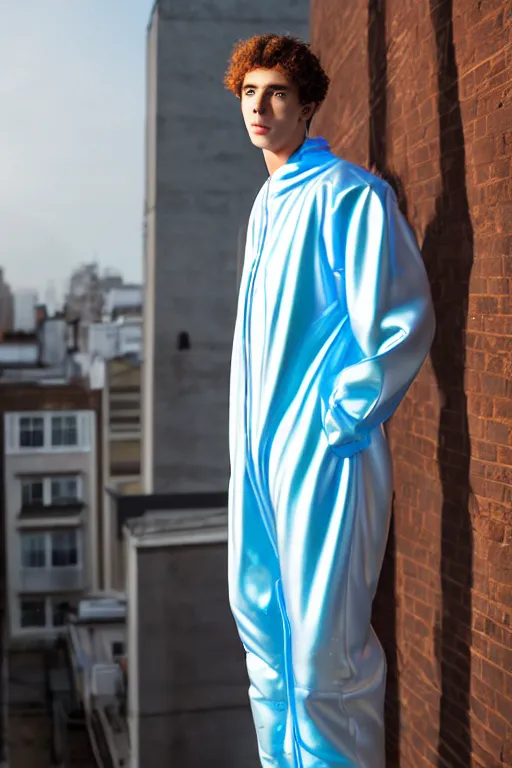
(504, 454)
(505, 305)
(500, 120)
(501, 513)
(500, 656)
(499, 474)
(483, 151)
(497, 325)
(504, 706)
(502, 409)
(504, 218)
(498, 286)
(496, 432)
(488, 305)
(495, 365)
(500, 169)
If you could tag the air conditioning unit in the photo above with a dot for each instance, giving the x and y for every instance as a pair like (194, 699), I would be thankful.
(105, 679)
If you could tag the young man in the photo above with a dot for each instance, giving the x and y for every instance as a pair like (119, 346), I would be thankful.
(334, 322)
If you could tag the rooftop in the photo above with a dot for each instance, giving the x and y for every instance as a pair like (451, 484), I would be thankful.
(178, 526)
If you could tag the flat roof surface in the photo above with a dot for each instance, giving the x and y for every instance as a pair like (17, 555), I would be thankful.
(176, 521)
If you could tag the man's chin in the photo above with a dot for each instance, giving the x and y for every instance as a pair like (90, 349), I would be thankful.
(261, 141)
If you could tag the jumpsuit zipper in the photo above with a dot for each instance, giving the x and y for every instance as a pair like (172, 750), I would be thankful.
(248, 307)
(287, 666)
(248, 389)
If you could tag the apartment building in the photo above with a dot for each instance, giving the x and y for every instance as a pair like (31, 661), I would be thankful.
(50, 502)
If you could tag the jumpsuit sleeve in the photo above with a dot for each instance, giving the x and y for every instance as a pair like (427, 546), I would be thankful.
(390, 318)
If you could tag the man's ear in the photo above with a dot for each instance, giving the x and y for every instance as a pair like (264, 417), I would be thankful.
(308, 111)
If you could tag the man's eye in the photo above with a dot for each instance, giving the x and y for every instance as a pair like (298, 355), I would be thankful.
(249, 92)
(281, 94)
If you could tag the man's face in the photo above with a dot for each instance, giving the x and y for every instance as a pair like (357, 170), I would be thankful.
(273, 115)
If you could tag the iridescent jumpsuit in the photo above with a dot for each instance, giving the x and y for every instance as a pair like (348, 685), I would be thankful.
(334, 321)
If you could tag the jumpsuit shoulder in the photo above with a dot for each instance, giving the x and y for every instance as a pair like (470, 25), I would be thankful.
(343, 175)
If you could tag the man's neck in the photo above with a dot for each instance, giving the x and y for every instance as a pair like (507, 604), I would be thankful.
(275, 160)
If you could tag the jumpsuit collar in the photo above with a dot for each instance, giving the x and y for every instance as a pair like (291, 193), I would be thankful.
(305, 162)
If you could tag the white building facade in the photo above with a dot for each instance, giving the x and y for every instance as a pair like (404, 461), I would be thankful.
(25, 301)
(50, 516)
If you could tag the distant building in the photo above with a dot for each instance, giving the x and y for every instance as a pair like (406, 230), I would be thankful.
(25, 302)
(84, 299)
(51, 478)
(114, 339)
(97, 650)
(50, 298)
(93, 297)
(113, 330)
(6, 305)
(110, 279)
(121, 434)
(50, 502)
(123, 301)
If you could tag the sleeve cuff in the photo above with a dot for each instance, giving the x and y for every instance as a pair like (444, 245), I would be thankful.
(349, 449)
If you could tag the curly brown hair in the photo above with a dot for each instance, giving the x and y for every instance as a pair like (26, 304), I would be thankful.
(292, 56)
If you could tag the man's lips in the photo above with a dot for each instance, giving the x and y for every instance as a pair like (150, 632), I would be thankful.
(258, 128)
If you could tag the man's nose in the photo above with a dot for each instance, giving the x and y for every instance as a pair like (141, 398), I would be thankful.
(259, 104)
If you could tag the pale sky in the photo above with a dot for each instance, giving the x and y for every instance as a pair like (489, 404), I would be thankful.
(72, 90)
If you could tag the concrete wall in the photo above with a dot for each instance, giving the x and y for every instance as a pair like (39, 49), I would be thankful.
(426, 89)
(202, 177)
(193, 703)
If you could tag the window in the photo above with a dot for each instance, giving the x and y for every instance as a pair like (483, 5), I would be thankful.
(32, 613)
(33, 550)
(50, 549)
(64, 545)
(183, 341)
(64, 490)
(44, 613)
(32, 493)
(31, 432)
(64, 431)
(118, 649)
(59, 490)
(48, 431)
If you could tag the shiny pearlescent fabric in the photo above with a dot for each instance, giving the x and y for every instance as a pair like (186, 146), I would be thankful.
(334, 321)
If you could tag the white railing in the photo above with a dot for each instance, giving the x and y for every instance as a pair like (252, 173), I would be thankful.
(65, 579)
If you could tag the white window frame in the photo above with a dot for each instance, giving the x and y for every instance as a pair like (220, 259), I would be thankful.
(32, 480)
(61, 532)
(50, 605)
(51, 479)
(25, 535)
(47, 481)
(48, 549)
(31, 418)
(12, 429)
(33, 599)
(65, 429)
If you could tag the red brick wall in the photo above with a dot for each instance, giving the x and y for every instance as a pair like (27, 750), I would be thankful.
(425, 88)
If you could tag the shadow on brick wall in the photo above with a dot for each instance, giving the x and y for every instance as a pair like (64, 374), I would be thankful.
(449, 268)
(449, 271)
(384, 617)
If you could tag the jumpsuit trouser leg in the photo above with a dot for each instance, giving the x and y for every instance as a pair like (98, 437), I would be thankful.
(253, 580)
(316, 667)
